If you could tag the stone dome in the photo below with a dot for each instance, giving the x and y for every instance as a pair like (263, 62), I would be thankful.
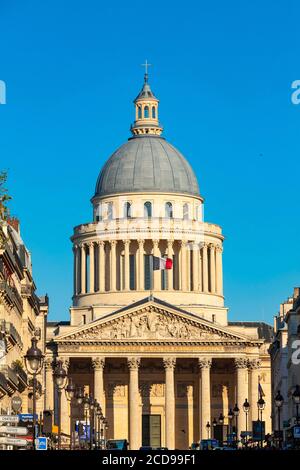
(146, 164)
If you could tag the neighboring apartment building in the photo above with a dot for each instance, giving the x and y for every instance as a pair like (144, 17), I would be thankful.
(22, 315)
(285, 369)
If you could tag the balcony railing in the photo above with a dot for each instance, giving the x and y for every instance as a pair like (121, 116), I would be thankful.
(11, 295)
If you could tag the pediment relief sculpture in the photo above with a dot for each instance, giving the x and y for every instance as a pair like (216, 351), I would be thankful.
(150, 325)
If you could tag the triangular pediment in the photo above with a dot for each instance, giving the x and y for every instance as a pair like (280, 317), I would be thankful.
(151, 321)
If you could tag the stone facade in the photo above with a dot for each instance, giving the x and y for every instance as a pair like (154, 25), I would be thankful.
(154, 346)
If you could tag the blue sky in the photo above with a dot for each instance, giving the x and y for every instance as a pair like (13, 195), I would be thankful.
(223, 73)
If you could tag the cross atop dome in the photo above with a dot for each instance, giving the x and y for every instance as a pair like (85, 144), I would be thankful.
(146, 65)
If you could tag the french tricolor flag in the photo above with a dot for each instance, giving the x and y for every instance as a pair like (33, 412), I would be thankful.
(162, 263)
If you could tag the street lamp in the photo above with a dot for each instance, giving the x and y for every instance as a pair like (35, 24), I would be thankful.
(279, 402)
(261, 406)
(93, 405)
(246, 408)
(60, 376)
(34, 363)
(99, 417)
(214, 423)
(70, 394)
(230, 418)
(79, 395)
(208, 429)
(236, 412)
(86, 407)
(296, 399)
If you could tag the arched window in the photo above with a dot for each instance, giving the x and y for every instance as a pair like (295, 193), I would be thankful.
(139, 112)
(127, 210)
(146, 112)
(148, 209)
(110, 210)
(153, 112)
(169, 210)
(98, 213)
(186, 214)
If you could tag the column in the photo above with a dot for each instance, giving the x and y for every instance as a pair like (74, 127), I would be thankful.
(157, 273)
(98, 364)
(113, 265)
(169, 365)
(182, 267)
(241, 365)
(92, 268)
(204, 364)
(170, 271)
(134, 404)
(65, 410)
(212, 266)
(49, 390)
(83, 269)
(199, 269)
(254, 366)
(140, 266)
(219, 270)
(101, 266)
(195, 267)
(205, 268)
(76, 273)
(126, 264)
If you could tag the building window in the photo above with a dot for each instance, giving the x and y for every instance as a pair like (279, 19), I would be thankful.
(98, 213)
(153, 112)
(139, 112)
(169, 210)
(213, 318)
(148, 209)
(186, 211)
(146, 112)
(110, 211)
(132, 272)
(127, 210)
(164, 278)
(83, 319)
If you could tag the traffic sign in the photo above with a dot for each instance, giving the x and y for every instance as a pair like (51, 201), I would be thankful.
(11, 441)
(19, 431)
(9, 419)
(41, 443)
(27, 416)
(297, 432)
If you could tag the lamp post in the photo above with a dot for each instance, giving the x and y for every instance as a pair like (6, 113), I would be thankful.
(221, 422)
(60, 376)
(296, 399)
(278, 403)
(93, 404)
(230, 418)
(246, 408)
(214, 423)
(70, 394)
(79, 399)
(105, 424)
(208, 429)
(34, 362)
(261, 406)
(99, 417)
(236, 412)
(86, 406)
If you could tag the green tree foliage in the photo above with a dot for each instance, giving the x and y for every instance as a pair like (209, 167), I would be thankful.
(4, 196)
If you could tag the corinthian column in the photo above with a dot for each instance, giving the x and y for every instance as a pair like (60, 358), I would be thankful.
(98, 364)
(212, 266)
(126, 264)
(170, 271)
(219, 269)
(183, 266)
(75, 274)
(195, 267)
(83, 269)
(169, 365)
(113, 265)
(141, 283)
(101, 266)
(254, 366)
(205, 268)
(49, 390)
(65, 412)
(92, 268)
(241, 365)
(204, 364)
(134, 404)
